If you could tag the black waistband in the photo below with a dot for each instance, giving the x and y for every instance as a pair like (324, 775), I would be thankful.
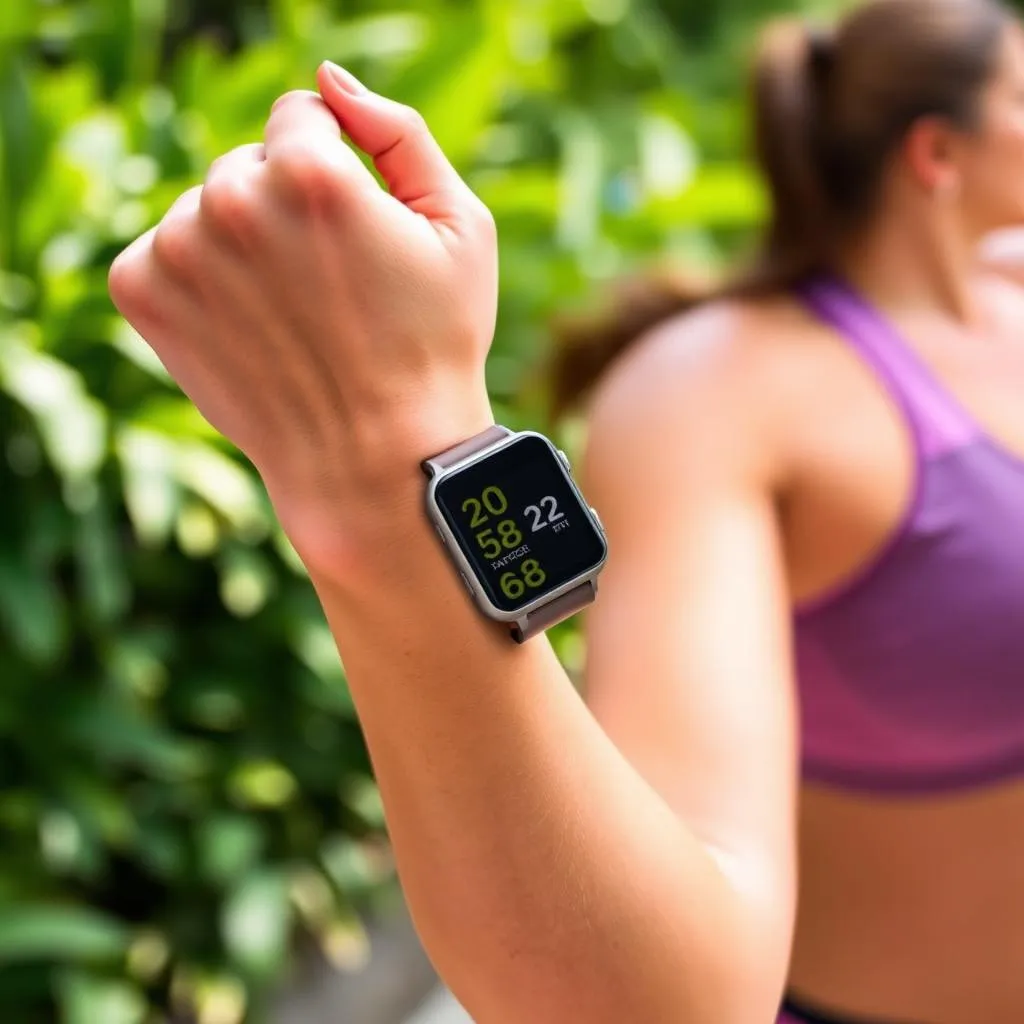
(808, 1016)
(813, 1015)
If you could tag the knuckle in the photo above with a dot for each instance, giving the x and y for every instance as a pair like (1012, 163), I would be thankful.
(129, 285)
(413, 121)
(307, 175)
(174, 247)
(124, 280)
(229, 206)
(293, 96)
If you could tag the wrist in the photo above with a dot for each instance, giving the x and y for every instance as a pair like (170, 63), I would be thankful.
(352, 526)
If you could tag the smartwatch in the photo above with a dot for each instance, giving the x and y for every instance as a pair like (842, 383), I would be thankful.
(512, 520)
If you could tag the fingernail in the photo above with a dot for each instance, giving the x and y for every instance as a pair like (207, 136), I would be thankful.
(345, 80)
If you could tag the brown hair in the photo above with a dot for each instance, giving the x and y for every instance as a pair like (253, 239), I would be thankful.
(830, 106)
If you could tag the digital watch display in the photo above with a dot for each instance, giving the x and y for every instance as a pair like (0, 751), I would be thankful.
(517, 527)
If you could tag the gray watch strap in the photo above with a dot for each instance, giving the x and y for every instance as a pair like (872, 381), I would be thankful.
(561, 607)
(550, 614)
(477, 443)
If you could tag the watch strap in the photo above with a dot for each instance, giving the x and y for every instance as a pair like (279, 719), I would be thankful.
(467, 448)
(553, 612)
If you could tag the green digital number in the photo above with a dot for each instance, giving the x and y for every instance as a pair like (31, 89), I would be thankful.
(490, 544)
(474, 506)
(533, 576)
(509, 534)
(493, 499)
(512, 586)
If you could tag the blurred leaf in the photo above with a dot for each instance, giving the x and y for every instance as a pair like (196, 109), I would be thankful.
(723, 196)
(66, 933)
(151, 490)
(225, 485)
(17, 19)
(246, 581)
(262, 784)
(138, 660)
(582, 169)
(71, 423)
(132, 346)
(100, 812)
(32, 610)
(88, 1000)
(21, 149)
(457, 85)
(370, 38)
(103, 578)
(112, 731)
(228, 846)
(256, 922)
(173, 415)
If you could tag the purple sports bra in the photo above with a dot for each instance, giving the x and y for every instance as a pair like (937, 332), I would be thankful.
(911, 674)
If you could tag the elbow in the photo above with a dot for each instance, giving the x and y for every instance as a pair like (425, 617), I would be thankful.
(608, 983)
(713, 951)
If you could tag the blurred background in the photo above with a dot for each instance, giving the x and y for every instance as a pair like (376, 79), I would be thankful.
(189, 830)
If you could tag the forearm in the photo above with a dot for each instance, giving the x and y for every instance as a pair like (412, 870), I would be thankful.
(549, 881)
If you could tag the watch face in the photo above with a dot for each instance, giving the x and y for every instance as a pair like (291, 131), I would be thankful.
(520, 522)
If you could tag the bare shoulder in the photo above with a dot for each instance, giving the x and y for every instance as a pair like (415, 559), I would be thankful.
(723, 377)
(1002, 260)
(1002, 289)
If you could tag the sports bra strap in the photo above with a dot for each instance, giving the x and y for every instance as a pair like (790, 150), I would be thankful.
(939, 422)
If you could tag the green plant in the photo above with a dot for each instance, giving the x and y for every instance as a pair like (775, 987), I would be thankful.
(183, 784)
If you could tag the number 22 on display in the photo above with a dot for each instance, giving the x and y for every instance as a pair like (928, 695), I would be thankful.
(494, 503)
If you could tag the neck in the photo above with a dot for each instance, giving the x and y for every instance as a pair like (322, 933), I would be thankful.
(915, 269)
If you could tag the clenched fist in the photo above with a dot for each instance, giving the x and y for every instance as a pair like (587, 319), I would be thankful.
(335, 331)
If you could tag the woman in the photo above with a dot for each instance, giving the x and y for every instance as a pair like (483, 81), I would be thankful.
(827, 458)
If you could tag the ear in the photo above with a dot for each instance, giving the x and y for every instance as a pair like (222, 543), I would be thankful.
(929, 149)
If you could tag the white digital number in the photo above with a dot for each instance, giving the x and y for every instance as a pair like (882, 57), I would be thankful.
(548, 504)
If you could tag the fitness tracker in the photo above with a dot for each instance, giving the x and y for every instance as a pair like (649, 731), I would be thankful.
(513, 521)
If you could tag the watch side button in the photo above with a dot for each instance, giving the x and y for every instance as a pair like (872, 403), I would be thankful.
(597, 518)
(465, 583)
(565, 460)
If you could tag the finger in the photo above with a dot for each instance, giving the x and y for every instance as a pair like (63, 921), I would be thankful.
(300, 118)
(130, 279)
(229, 202)
(305, 150)
(395, 136)
(186, 205)
(145, 295)
(176, 242)
(240, 160)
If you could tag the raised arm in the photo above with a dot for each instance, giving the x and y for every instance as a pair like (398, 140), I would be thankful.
(337, 334)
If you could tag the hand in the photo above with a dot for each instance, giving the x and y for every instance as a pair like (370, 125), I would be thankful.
(334, 331)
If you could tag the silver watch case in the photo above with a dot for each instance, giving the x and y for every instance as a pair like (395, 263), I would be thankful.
(451, 544)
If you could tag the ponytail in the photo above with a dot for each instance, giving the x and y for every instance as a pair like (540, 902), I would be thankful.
(790, 68)
(791, 77)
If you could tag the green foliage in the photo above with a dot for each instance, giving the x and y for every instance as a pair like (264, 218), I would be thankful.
(183, 784)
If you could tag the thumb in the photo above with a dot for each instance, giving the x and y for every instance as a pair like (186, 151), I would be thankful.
(395, 137)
